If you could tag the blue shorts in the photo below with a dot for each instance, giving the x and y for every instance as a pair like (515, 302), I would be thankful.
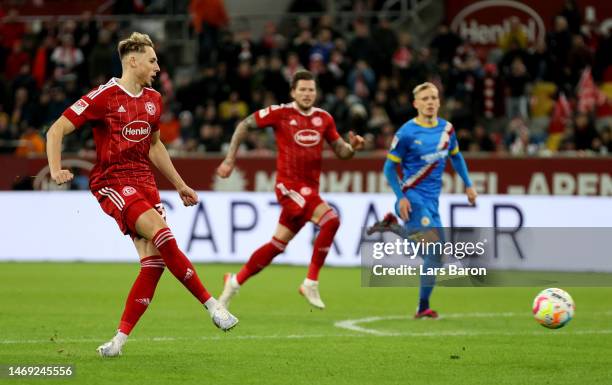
(424, 211)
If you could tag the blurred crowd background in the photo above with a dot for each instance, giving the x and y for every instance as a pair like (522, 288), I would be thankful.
(551, 96)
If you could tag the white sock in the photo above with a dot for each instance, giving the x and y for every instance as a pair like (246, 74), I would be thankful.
(210, 305)
(310, 282)
(120, 337)
(234, 281)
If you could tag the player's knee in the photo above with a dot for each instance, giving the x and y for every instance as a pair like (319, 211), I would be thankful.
(330, 221)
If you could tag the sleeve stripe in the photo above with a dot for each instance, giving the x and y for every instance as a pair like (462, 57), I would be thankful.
(394, 158)
(455, 150)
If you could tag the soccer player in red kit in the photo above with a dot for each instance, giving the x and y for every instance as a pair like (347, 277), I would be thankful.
(300, 129)
(125, 115)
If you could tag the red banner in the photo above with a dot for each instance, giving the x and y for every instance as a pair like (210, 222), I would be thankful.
(491, 175)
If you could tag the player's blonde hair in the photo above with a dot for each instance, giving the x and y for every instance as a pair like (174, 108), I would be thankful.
(423, 87)
(135, 43)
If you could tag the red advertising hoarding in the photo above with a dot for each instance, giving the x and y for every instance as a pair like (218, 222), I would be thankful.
(491, 175)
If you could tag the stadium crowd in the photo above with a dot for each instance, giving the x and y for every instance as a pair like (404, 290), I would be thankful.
(518, 98)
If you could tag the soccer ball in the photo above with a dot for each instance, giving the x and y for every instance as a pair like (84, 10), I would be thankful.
(553, 308)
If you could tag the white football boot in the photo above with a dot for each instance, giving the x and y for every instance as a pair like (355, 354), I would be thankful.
(310, 290)
(113, 347)
(230, 289)
(222, 318)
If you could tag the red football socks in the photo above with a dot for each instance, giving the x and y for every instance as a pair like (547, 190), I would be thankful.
(260, 259)
(178, 264)
(329, 224)
(141, 294)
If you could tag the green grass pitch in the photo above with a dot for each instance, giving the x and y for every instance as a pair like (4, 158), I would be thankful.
(53, 313)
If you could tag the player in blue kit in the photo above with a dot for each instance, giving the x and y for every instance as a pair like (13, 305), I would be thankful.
(421, 147)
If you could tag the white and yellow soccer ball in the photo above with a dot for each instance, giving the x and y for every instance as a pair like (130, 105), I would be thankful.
(553, 308)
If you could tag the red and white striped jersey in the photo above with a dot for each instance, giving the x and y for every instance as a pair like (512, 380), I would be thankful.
(299, 139)
(122, 126)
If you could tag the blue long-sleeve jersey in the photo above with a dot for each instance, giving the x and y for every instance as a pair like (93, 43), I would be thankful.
(422, 151)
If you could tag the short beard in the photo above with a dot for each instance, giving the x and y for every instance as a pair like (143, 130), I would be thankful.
(302, 107)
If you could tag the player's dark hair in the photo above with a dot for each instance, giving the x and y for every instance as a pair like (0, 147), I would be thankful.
(135, 43)
(301, 75)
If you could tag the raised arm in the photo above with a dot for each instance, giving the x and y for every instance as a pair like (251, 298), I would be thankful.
(344, 150)
(55, 136)
(161, 160)
(227, 166)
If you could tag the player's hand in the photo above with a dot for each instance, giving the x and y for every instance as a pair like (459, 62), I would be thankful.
(188, 196)
(62, 176)
(225, 168)
(404, 209)
(356, 141)
(471, 195)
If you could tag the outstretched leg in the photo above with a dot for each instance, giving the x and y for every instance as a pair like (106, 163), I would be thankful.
(260, 258)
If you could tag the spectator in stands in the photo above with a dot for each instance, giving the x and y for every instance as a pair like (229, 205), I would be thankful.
(302, 45)
(101, 56)
(338, 67)
(579, 58)
(274, 80)
(515, 38)
(518, 138)
(517, 102)
(481, 140)
(445, 44)
(272, 42)
(291, 66)
(361, 47)
(208, 17)
(24, 109)
(210, 138)
(16, 59)
(233, 109)
(66, 56)
(25, 80)
(30, 143)
(571, 13)
(386, 43)
(362, 80)
(559, 42)
(338, 106)
(584, 132)
(11, 30)
(323, 45)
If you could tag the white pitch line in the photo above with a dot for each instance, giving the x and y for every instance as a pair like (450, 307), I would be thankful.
(353, 325)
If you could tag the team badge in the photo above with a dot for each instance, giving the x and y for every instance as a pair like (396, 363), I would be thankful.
(305, 191)
(128, 190)
(150, 107)
(317, 121)
(425, 221)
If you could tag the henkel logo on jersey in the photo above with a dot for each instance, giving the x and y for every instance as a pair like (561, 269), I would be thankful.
(136, 131)
(484, 22)
(307, 138)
